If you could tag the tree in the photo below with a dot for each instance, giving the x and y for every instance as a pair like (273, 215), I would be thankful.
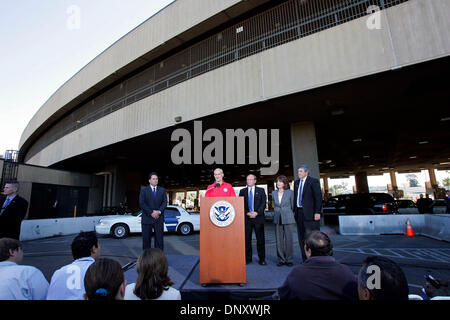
(412, 179)
(338, 188)
(446, 182)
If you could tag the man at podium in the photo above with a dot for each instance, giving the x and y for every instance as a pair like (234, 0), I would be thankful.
(220, 188)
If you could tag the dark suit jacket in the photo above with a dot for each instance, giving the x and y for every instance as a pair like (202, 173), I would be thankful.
(259, 204)
(12, 217)
(149, 202)
(320, 278)
(311, 197)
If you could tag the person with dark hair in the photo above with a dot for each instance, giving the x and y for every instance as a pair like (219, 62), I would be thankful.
(153, 202)
(18, 282)
(254, 205)
(308, 205)
(153, 282)
(381, 278)
(283, 203)
(320, 277)
(104, 280)
(12, 211)
(67, 282)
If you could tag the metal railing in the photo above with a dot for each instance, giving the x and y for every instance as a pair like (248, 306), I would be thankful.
(286, 22)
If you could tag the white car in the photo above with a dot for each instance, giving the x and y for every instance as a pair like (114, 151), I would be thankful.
(176, 219)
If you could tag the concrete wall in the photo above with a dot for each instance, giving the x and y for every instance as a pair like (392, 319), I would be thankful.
(436, 226)
(412, 32)
(45, 228)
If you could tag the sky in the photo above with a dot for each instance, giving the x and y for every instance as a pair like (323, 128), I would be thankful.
(43, 43)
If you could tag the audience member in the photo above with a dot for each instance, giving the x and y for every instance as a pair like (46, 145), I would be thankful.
(435, 287)
(153, 282)
(67, 282)
(320, 277)
(104, 280)
(18, 282)
(391, 284)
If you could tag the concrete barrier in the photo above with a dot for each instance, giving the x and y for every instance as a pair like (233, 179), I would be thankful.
(45, 228)
(436, 226)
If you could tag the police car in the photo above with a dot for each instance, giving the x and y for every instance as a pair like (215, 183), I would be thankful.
(176, 219)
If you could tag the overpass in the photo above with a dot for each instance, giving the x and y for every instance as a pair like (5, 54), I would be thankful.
(354, 87)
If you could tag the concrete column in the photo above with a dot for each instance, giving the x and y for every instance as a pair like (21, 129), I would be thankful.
(304, 148)
(326, 189)
(362, 185)
(270, 188)
(393, 180)
(432, 175)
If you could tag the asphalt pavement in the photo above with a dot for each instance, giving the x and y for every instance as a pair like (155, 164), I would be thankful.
(417, 256)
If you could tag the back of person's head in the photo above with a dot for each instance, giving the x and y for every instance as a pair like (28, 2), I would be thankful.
(152, 269)
(319, 243)
(437, 287)
(83, 243)
(390, 285)
(7, 244)
(104, 280)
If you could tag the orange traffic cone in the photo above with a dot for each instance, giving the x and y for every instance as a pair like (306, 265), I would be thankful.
(409, 229)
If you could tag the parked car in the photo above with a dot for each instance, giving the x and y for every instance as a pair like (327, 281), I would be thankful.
(176, 219)
(405, 206)
(439, 206)
(360, 204)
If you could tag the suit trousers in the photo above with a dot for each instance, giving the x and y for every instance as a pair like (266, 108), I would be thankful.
(147, 231)
(285, 243)
(303, 227)
(260, 240)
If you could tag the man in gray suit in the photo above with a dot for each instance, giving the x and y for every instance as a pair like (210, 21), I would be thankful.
(283, 202)
(308, 205)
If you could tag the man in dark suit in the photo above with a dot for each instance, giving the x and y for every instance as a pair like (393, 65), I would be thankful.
(153, 202)
(254, 205)
(13, 210)
(308, 205)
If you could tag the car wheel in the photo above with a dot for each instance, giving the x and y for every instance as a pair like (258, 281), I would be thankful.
(185, 229)
(120, 231)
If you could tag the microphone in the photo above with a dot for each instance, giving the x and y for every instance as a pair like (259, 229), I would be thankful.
(213, 187)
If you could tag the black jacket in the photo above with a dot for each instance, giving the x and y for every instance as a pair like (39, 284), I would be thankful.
(311, 197)
(12, 217)
(148, 202)
(320, 278)
(259, 203)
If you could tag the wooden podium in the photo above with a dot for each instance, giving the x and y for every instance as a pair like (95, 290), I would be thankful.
(222, 248)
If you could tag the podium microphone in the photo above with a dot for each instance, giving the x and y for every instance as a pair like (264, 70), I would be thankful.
(215, 186)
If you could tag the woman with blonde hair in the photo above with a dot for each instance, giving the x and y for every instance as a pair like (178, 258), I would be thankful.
(153, 282)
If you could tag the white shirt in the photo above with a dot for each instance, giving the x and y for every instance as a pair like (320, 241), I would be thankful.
(170, 294)
(18, 282)
(67, 283)
(300, 183)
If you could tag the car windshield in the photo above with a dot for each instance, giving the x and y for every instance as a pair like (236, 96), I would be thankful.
(136, 213)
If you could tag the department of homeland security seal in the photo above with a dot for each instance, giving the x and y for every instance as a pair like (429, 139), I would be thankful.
(222, 214)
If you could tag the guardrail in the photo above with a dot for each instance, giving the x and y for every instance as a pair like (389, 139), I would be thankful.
(436, 226)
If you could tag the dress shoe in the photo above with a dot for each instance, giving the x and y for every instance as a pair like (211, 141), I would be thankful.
(279, 264)
(263, 263)
(289, 264)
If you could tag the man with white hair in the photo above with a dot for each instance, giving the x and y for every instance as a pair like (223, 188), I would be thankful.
(220, 188)
(12, 212)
